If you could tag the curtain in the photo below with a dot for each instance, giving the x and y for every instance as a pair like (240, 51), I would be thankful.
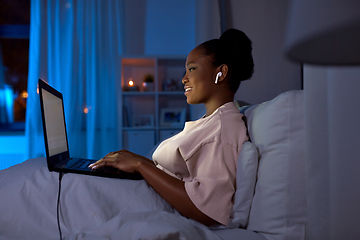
(75, 47)
(6, 96)
(207, 20)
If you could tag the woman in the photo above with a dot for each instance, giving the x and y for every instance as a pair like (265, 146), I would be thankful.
(194, 171)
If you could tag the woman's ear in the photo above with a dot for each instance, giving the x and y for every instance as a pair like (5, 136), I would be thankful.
(223, 68)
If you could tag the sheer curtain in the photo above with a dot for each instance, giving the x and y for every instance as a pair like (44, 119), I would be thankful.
(6, 96)
(75, 47)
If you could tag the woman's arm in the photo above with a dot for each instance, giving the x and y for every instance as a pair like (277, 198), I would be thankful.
(168, 187)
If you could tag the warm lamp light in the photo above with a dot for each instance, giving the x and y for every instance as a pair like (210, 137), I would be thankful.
(130, 85)
(24, 94)
(325, 32)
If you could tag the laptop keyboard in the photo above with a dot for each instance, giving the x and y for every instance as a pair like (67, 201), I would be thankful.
(81, 164)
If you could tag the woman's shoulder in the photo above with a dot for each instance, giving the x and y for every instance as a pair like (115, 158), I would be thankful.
(232, 127)
(230, 116)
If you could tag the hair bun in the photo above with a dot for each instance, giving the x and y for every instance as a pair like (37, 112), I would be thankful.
(239, 48)
(237, 39)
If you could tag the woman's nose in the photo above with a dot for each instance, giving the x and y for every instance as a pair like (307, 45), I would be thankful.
(184, 79)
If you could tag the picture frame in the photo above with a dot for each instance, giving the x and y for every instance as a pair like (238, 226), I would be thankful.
(172, 117)
(143, 120)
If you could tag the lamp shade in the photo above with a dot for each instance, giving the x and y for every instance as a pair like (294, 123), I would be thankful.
(325, 32)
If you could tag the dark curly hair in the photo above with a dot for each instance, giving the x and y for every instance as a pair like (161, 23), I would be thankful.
(234, 49)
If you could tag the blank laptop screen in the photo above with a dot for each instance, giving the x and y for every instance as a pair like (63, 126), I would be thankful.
(54, 122)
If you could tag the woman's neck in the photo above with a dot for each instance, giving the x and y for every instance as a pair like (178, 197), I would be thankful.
(211, 107)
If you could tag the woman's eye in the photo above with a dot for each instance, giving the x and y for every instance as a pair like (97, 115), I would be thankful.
(191, 69)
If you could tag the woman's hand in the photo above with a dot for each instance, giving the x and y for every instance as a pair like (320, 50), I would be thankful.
(123, 160)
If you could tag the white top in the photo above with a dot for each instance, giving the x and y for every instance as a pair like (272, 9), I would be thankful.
(204, 155)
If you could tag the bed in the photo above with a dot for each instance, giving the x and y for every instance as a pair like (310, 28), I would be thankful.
(270, 167)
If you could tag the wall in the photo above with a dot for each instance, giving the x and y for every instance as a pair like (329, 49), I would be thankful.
(170, 27)
(158, 27)
(332, 151)
(265, 24)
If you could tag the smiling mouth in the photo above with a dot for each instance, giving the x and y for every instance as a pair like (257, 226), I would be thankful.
(187, 88)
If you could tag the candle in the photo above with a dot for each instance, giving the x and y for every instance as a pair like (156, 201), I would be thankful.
(130, 86)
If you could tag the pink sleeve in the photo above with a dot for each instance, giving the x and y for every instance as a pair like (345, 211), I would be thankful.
(213, 187)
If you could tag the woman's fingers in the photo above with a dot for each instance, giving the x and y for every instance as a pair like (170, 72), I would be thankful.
(105, 161)
(123, 160)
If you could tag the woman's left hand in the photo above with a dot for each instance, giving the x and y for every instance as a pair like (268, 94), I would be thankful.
(123, 160)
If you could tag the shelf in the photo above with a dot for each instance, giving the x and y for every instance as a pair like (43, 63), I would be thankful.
(151, 128)
(144, 112)
(138, 93)
(170, 128)
(172, 93)
(138, 62)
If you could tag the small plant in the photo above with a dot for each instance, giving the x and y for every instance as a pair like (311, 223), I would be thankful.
(149, 78)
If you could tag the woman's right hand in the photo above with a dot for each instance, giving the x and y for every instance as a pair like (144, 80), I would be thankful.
(124, 160)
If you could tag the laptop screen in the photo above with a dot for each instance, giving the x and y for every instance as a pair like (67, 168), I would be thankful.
(54, 121)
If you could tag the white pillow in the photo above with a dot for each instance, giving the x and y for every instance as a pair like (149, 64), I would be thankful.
(245, 183)
(276, 127)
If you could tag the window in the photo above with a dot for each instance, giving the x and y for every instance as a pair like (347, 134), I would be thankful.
(14, 58)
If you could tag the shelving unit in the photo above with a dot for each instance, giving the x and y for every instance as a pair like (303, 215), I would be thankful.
(151, 113)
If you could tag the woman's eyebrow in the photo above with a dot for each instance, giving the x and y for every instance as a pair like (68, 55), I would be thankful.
(187, 64)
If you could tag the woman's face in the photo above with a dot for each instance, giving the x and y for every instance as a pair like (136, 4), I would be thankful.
(199, 79)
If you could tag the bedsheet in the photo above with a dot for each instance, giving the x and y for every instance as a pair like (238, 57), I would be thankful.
(91, 208)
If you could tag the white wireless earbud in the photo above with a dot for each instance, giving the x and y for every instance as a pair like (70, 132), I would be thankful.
(217, 77)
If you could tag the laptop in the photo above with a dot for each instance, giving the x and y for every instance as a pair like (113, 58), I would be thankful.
(56, 142)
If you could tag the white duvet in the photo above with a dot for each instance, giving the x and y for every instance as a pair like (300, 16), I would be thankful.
(91, 208)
